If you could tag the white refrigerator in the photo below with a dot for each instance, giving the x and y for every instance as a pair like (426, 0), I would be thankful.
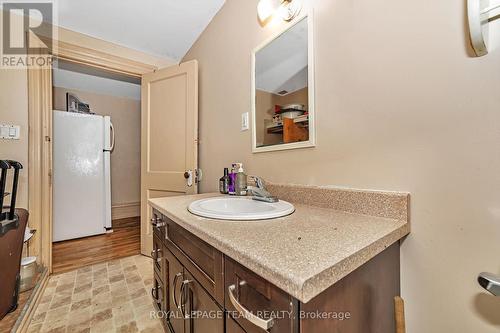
(81, 170)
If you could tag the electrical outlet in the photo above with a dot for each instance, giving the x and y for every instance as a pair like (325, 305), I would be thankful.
(244, 121)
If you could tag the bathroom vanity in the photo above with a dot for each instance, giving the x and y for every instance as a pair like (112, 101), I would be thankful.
(331, 266)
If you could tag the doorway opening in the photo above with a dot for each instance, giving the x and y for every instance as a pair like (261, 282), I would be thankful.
(96, 165)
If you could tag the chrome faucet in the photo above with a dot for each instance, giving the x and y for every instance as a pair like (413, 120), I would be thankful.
(490, 282)
(259, 191)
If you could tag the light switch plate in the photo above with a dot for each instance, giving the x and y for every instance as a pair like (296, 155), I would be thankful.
(10, 132)
(244, 121)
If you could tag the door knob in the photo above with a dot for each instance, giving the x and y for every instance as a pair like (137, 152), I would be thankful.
(189, 176)
(490, 282)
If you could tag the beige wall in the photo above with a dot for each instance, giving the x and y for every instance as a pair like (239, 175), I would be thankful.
(264, 111)
(14, 111)
(125, 115)
(400, 106)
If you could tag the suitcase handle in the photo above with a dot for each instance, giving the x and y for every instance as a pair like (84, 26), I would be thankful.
(17, 166)
(4, 166)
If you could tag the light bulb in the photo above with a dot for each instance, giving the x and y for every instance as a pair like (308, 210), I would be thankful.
(285, 9)
(290, 9)
(266, 8)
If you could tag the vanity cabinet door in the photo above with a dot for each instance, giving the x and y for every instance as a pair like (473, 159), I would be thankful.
(257, 305)
(158, 293)
(202, 313)
(232, 326)
(158, 258)
(174, 275)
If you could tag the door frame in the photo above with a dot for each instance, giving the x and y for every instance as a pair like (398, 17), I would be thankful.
(40, 132)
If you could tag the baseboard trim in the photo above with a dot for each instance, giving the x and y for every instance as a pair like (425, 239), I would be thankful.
(28, 312)
(122, 211)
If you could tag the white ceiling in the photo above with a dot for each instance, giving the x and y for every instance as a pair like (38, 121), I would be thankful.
(282, 64)
(166, 28)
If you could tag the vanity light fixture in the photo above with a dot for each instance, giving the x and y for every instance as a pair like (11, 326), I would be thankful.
(286, 9)
(479, 16)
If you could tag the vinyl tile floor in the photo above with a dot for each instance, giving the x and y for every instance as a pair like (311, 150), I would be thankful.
(107, 297)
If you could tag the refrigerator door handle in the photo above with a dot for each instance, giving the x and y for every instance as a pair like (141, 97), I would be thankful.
(112, 145)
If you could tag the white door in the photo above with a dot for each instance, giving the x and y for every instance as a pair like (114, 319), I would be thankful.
(169, 138)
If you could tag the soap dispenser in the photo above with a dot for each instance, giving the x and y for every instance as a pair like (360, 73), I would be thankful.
(232, 180)
(240, 187)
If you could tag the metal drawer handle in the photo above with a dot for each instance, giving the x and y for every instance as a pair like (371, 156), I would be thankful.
(174, 284)
(154, 255)
(259, 322)
(183, 301)
(157, 222)
(154, 293)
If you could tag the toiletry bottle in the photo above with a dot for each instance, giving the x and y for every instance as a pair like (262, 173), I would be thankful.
(241, 181)
(232, 180)
(224, 182)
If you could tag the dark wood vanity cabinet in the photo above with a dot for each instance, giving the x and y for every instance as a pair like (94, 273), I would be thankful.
(174, 277)
(232, 326)
(203, 313)
(255, 304)
(199, 290)
(190, 274)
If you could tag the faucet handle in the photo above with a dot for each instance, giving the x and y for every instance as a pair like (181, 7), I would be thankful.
(259, 183)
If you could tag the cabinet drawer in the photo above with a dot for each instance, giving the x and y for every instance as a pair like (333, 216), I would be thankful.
(203, 261)
(247, 292)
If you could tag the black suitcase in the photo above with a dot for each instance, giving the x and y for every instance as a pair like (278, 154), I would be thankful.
(12, 226)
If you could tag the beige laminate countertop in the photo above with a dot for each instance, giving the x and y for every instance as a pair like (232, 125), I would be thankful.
(303, 253)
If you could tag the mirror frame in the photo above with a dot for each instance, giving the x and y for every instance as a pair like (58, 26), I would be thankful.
(310, 84)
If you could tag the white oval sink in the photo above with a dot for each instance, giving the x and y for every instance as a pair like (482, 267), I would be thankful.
(240, 208)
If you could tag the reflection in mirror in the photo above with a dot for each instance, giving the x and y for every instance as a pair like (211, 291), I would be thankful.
(282, 90)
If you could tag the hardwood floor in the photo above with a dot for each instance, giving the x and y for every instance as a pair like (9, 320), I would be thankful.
(124, 241)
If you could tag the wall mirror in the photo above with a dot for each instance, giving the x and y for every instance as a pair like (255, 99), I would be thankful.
(283, 90)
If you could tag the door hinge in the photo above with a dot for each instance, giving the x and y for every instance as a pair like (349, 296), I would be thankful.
(198, 175)
(193, 177)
